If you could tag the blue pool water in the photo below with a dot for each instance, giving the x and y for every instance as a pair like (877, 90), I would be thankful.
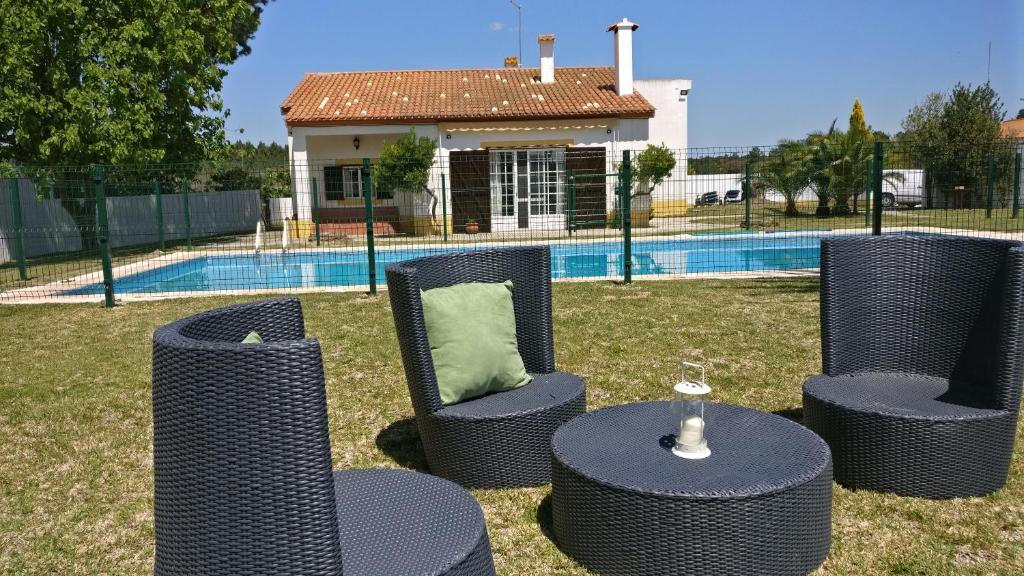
(740, 252)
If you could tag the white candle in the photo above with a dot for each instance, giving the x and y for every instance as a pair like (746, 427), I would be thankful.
(691, 431)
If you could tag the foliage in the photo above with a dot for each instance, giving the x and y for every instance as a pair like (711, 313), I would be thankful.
(404, 164)
(723, 163)
(651, 167)
(783, 171)
(248, 166)
(858, 125)
(117, 81)
(7, 170)
(954, 137)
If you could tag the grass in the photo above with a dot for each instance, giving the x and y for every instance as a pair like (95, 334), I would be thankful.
(75, 415)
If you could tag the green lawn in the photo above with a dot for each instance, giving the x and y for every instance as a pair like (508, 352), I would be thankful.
(75, 418)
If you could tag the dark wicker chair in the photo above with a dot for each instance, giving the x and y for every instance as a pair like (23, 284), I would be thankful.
(242, 463)
(503, 439)
(922, 346)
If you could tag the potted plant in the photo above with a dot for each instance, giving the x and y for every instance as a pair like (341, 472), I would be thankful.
(651, 167)
(472, 227)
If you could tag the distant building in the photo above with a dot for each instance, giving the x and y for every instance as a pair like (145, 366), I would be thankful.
(506, 137)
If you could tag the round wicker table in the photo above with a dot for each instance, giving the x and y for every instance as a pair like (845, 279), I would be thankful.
(622, 503)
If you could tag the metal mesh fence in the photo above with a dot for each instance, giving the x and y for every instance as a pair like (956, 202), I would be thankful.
(114, 232)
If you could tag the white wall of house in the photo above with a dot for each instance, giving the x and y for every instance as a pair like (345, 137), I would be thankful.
(311, 148)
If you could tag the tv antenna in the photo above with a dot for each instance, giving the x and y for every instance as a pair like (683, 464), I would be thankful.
(519, 27)
(988, 69)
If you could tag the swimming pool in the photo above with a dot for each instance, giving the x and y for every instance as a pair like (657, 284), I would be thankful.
(333, 268)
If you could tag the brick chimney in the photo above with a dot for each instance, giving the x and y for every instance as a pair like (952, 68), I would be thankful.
(547, 58)
(623, 56)
(511, 61)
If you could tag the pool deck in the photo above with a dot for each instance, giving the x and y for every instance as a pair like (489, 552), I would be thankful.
(57, 292)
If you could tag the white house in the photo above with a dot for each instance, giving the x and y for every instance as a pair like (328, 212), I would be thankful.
(507, 138)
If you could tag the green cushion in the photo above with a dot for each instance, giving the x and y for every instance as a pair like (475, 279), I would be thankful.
(472, 333)
(253, 338)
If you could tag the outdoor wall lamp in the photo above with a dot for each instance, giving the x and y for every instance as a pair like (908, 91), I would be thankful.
(688, 415)
(684, 92)
(355, 142)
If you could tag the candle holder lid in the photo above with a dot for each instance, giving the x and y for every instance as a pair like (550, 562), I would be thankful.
(692, 387)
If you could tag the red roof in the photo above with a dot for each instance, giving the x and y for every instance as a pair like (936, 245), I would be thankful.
(428, 96)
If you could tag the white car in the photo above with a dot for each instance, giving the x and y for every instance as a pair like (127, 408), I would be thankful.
(908, 192)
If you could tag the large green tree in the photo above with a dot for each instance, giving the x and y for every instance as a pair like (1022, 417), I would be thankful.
(117, 81)
(956, 139)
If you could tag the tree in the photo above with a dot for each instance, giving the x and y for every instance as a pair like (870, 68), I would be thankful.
(784, 171)
(858, 125)
(404, 165)
(651, 167)
(117, 81)
(954, 137)
(820, 153)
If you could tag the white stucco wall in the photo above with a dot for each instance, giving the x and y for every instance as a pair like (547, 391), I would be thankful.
(311, 148)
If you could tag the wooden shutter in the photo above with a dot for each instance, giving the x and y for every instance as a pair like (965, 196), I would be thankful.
(591, 197)
(471, 188)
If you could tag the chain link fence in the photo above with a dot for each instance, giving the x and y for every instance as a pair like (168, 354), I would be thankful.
(136, 232)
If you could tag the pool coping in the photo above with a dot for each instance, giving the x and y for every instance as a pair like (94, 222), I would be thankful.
(57, 291)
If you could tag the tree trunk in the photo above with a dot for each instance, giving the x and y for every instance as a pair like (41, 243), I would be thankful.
(791, 209)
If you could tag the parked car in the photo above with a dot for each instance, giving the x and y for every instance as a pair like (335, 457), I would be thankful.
(732, 197)
(906, 192)
(708, 198)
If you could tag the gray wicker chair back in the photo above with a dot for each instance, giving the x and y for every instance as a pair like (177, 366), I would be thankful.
(242, 461)
(530, 272)
(948, 307)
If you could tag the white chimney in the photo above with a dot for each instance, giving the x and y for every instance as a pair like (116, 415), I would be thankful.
(623, 56)
(547, 58)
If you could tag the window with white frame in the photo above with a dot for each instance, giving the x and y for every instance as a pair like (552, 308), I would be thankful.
(547, 172)
(545, 176)
(343, 182)
(503, 182)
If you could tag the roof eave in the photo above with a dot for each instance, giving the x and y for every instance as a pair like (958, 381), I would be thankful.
(438, 120)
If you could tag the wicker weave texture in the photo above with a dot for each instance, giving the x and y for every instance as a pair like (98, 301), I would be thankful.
(502, 440)
(401, 522)
(623, 504)
(242, 461)
(922, 349)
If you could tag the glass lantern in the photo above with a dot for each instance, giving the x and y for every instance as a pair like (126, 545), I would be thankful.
(688, 414)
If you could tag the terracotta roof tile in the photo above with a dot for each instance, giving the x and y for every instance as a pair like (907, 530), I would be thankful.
(1013, 128)
(427, 96)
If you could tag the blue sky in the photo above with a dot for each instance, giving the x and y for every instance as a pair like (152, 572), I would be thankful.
(761, 70)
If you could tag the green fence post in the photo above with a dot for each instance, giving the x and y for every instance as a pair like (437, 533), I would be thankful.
(368, 202)
(159, 214)
(19, 238)
(991, 186)
(746, 196)
(314, 196)
(627, 224)
(867, 195)
(570, 201)
(879, 163)
(1016, 184)
(444, 211)
(188, 215)
(103, 235)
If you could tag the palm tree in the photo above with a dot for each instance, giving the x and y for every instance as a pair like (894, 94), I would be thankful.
(784, 171)
(821, 150)
(838, 167)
